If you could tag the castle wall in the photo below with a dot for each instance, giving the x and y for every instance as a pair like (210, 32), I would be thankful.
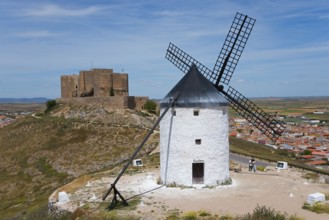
(102, 84)
(120, 84)
(69, 86)
(136, 102)
(94, 87)
(115, 102)
(86, 81)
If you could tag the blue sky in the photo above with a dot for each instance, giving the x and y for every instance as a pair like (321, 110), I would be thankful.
(287, 53)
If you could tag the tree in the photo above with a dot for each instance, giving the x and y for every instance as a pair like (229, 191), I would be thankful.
(307, 152)
(150, 106)
(50, 104)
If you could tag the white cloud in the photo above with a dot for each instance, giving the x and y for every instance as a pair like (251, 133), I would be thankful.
(169, 13)
(55, 10)
(324, 17)
(35, 34)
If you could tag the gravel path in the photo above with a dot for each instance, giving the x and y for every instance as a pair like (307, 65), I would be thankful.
(285, 191)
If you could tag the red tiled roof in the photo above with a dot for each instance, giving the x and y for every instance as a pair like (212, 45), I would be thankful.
(320, 153)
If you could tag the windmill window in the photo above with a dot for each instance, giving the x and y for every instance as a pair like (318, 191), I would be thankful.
(197, 141)
(196, 112)
(173, 112)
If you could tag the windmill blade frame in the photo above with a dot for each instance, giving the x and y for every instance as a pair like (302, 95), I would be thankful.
(183, 61)
(232, 49)
(266, 123)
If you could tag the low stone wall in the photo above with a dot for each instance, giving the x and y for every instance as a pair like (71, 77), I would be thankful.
(116, 102)
(136, 102)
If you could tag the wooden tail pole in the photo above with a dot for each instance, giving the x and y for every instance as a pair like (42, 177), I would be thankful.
(116, 192)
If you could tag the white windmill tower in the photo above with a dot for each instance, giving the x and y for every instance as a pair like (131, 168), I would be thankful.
(194, 145)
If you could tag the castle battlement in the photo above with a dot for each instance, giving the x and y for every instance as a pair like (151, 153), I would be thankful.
(99, 87)
(94, 83)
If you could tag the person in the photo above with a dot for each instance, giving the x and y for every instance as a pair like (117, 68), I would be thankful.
(250, 164)
(253, 164)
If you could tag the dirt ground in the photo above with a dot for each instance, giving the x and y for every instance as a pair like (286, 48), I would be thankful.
(285, 191)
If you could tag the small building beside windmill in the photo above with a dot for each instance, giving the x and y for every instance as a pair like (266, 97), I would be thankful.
(194, 146)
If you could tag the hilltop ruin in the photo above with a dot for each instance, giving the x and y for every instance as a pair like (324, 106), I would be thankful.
(99, 86)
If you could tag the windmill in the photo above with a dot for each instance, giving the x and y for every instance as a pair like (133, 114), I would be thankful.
(223, 70)
(181, 95)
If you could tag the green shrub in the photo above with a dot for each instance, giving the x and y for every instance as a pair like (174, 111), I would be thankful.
(294, 217)
(318, 207)
(307, 152)
(263, 212)
(226, 217)
(150, 106)
(227, 182)
(173, 214)
(261, 168)
(204, 213)
(50, 105)
(191, 215)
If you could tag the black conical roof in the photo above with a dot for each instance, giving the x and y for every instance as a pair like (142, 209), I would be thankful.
(194, 90)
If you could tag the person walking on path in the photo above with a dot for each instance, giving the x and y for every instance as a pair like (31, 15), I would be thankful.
(250, 164)
(253, 161)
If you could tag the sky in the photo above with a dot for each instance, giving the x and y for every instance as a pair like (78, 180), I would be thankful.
(287, 53)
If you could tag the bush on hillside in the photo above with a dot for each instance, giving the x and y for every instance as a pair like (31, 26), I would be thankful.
(150, 106)
(50, 104)
(263, 212)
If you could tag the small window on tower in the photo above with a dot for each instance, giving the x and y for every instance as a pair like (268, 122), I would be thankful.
(196, 112)
(197, 141)
(173, 112)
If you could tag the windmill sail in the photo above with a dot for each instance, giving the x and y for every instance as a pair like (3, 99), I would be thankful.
(266, 123)
(232, 48)
(183, 61)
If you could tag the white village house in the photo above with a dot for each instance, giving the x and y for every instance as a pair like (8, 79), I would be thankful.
(194, 146)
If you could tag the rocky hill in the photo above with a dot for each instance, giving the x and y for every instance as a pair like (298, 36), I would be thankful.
(43, 151)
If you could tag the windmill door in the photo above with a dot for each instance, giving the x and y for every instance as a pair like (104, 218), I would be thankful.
(197, 173)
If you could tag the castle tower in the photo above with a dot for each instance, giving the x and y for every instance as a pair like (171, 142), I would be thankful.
(69, 86)
(194, 146)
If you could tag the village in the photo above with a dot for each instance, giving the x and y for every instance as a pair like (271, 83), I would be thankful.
(307, 140)
(6, 118)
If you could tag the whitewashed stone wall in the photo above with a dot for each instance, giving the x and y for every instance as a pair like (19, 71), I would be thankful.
(178, 149)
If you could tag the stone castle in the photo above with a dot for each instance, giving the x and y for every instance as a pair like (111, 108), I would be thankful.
(99, 86)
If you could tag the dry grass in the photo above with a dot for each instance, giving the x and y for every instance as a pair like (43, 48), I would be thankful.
(40, 154)
(75, 184)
